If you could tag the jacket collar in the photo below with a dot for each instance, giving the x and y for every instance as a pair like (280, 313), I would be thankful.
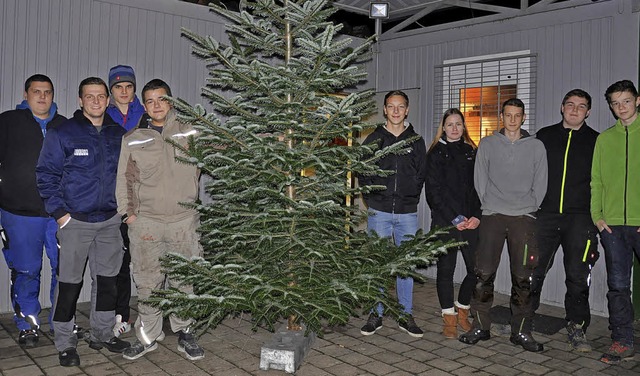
(443, 140)
(633, 127)
(145, 121)
(405, 134)
(561, 127)
(80, 118)
(523, 133)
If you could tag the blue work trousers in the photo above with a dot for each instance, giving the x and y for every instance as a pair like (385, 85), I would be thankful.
(23, 241)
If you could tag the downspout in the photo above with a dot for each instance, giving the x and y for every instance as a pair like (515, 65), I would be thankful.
(377, 50)
(635, 271)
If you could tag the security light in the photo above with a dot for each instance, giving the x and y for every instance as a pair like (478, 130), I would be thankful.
(379, 10)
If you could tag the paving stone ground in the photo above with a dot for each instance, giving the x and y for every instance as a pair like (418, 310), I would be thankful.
(233, 349)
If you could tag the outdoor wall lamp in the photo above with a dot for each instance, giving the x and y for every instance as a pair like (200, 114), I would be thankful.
(379, 10)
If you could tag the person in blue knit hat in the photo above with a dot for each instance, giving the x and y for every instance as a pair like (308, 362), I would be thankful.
(125, 109)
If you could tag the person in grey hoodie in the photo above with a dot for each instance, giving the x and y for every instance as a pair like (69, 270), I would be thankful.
(510, 176)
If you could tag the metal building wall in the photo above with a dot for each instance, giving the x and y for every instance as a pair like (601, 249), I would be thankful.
(69, 40)
(73, 39)
(588, 47)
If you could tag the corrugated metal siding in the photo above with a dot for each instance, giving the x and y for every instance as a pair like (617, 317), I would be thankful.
(73, 39)
(69, 40)
(579, 47)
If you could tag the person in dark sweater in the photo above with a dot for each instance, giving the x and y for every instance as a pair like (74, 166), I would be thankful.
(26, 226)
(393, 212)
(453, 201)
(564, 217)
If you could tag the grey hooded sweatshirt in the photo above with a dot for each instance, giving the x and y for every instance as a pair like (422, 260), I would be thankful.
(510, 177)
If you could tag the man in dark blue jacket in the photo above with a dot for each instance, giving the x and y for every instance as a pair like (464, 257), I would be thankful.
(76, 176)
(26, 226)
(564, 217)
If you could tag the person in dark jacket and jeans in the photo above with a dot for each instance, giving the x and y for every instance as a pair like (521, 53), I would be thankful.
(76, 176)
(564, 217)
(26, 225)
(393, 212)
(453, 201)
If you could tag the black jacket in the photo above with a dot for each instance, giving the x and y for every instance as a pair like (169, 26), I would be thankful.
(449, 183)
(405, 186)
(575, 194)
(20, 143)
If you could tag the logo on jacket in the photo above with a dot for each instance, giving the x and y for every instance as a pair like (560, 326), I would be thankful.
(81, 152)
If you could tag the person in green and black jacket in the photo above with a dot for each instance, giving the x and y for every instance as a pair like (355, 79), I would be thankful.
(615, 210)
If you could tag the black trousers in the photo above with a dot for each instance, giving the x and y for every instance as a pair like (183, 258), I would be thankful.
(519, 232)
(576, 234)
(447, 266)
(123, 279)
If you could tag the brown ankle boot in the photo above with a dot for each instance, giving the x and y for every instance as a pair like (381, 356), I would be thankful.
(463, 319)
(450, 322)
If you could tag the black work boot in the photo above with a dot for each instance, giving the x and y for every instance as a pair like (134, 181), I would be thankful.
(69, 357)
(115, 345)
(28, 338)
(526, 341)
(474, 336)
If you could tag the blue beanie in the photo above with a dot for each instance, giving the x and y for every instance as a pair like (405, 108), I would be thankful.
(121, 73)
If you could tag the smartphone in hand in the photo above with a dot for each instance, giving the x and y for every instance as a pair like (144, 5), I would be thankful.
(457, 220)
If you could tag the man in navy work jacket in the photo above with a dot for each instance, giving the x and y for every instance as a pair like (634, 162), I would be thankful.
(76, 177)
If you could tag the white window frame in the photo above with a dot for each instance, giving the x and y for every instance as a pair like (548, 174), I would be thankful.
(511, 68)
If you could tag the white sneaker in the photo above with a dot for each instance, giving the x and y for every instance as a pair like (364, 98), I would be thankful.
(120, 327)
(138, 349)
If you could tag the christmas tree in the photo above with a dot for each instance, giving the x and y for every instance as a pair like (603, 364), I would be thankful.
(281, 236)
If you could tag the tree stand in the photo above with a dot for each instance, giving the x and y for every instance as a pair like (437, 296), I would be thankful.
(286, 350)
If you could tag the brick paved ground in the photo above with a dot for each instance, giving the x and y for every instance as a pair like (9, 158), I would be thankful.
(233, 349)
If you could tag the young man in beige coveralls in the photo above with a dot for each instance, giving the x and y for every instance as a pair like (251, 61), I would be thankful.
(150, 187)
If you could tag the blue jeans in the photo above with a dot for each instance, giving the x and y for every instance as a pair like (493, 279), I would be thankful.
(396, 226)
(619, 247)
(26, 237)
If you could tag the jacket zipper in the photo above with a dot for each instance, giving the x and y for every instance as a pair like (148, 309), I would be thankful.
(101, 149)
(564, 171)
(626, 171)
(395, 188)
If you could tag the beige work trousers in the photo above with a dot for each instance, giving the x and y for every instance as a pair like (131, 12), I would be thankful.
(150, 240)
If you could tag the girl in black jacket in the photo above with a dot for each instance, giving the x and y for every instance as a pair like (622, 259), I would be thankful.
(453, 201)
